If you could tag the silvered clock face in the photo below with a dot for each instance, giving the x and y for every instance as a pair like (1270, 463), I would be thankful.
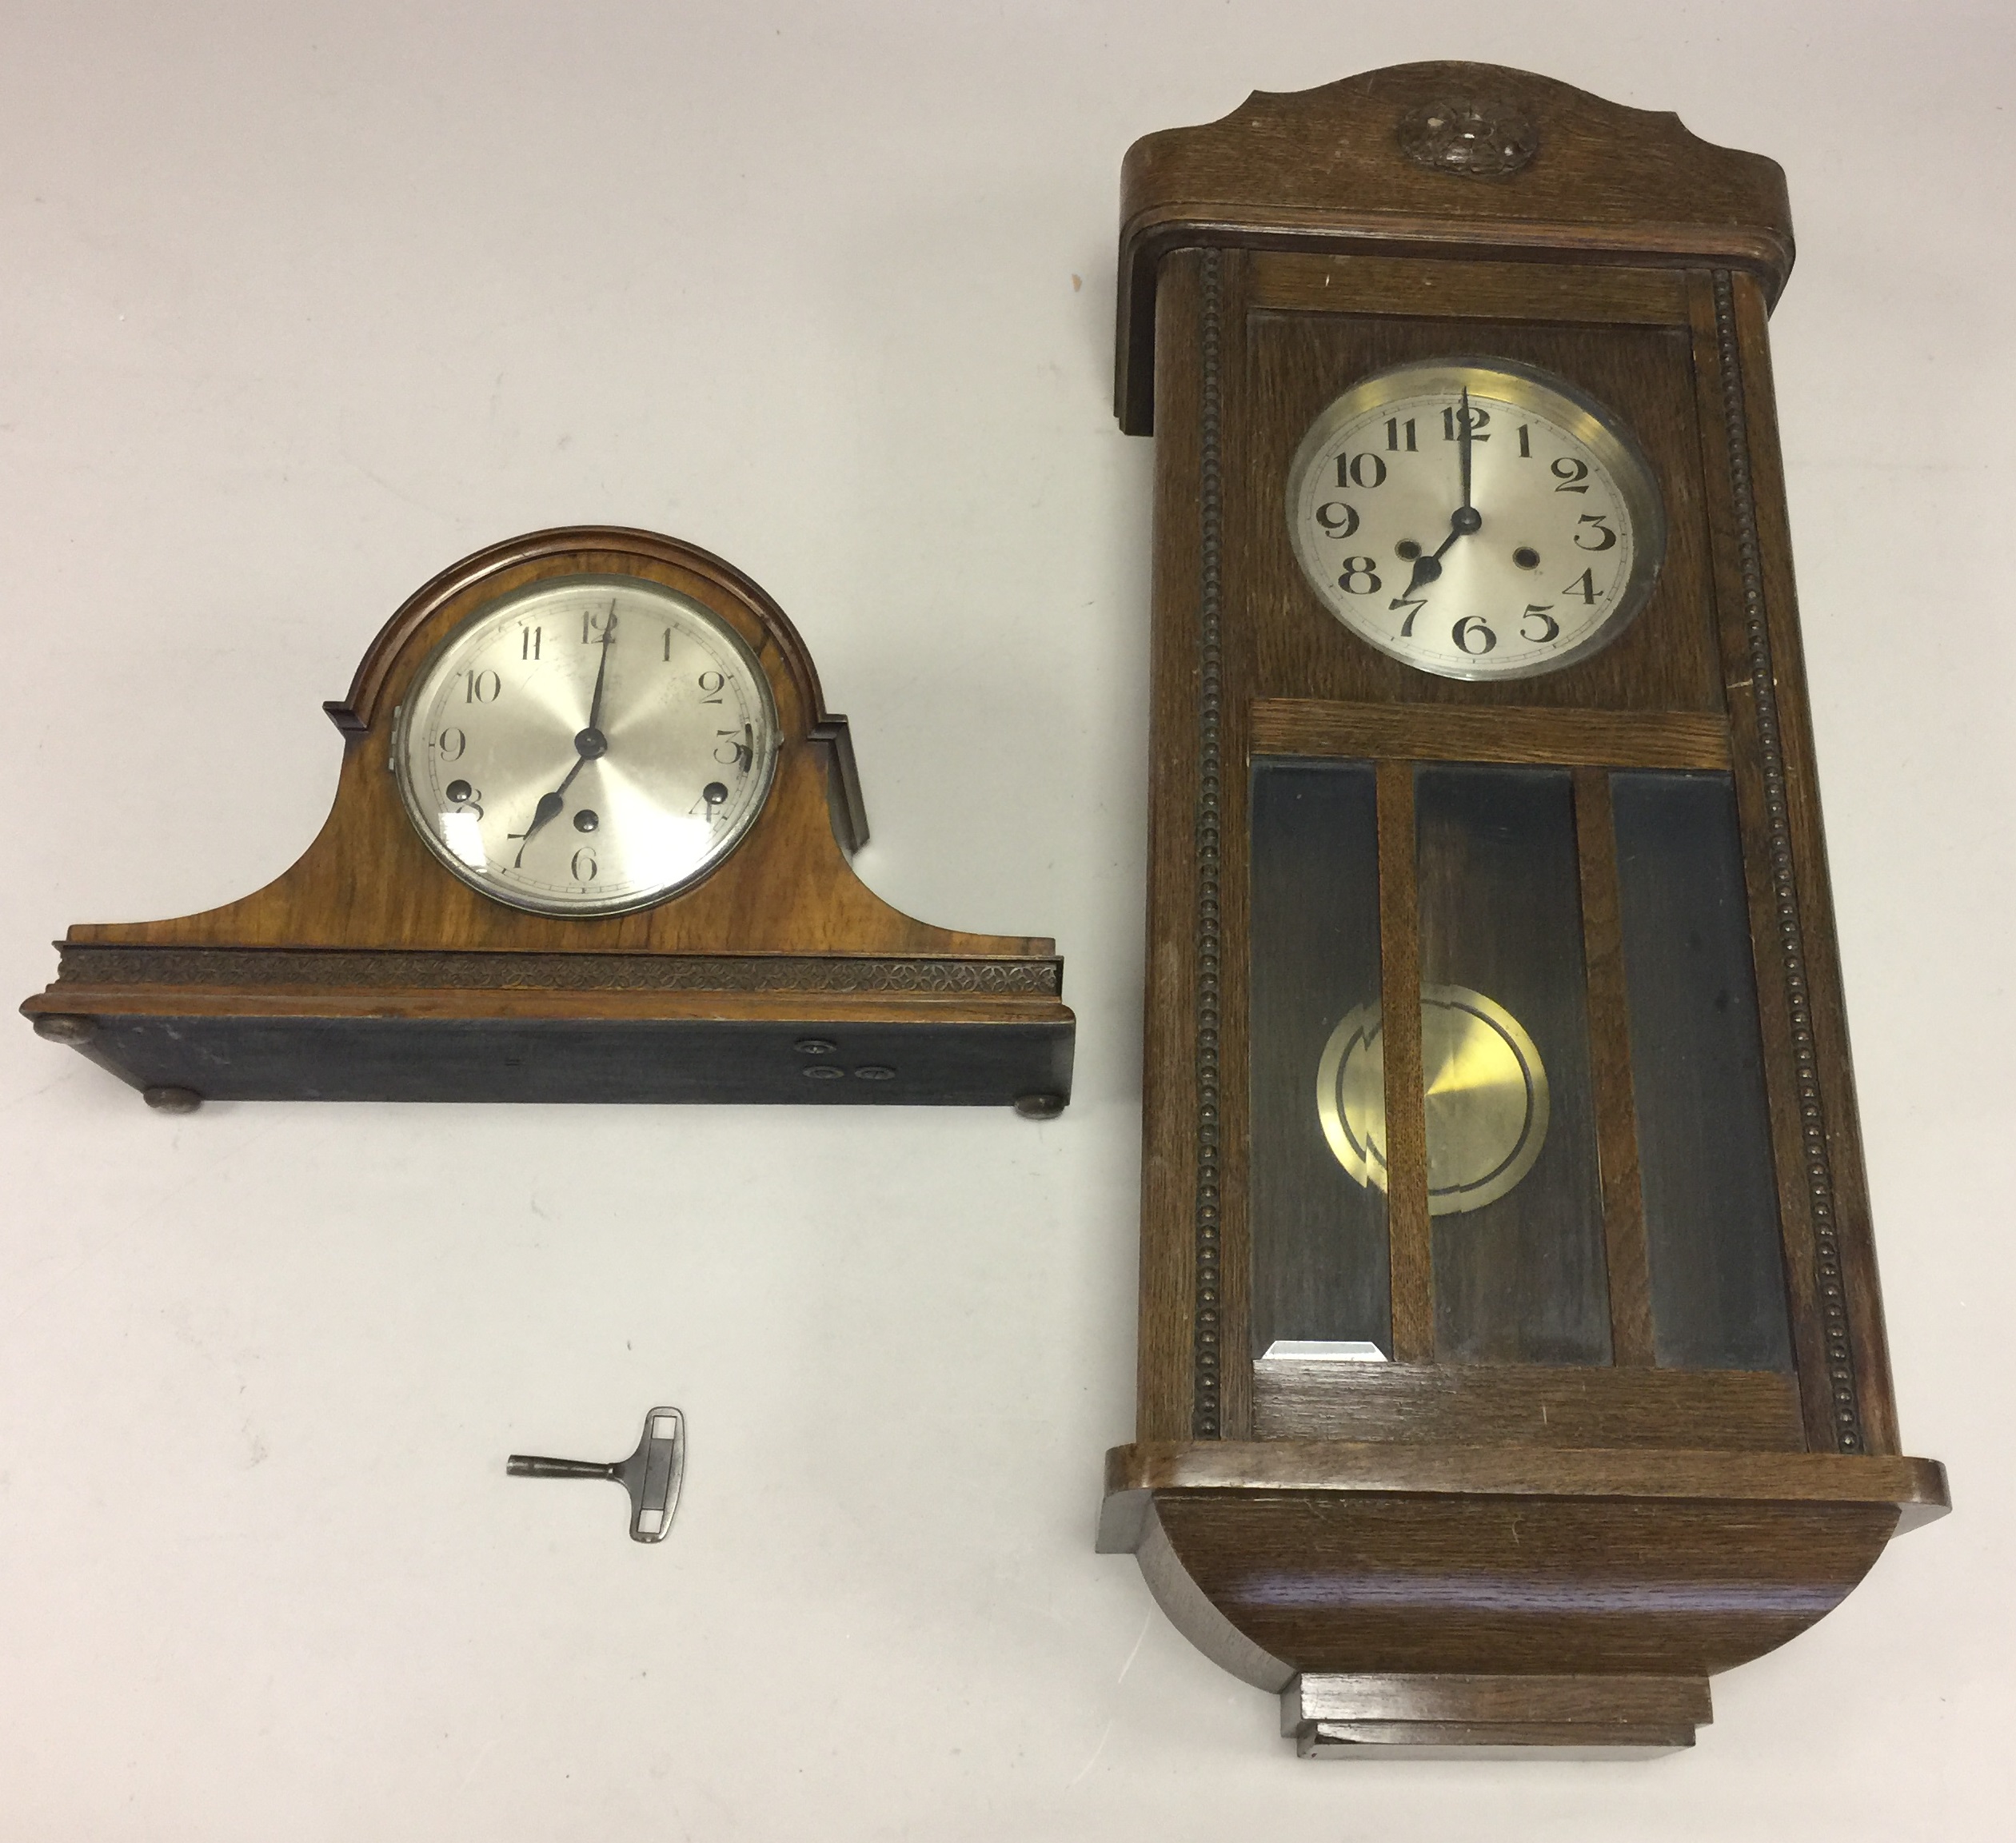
(587, 745)
(1476, 518)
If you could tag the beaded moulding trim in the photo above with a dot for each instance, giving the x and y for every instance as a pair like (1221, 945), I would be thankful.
(1207, 1420)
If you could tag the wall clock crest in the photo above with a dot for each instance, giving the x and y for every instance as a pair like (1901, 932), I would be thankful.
(590, 842)
(1511, 1358)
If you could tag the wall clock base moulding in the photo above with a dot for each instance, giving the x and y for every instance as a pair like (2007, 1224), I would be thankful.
(1409, 1596)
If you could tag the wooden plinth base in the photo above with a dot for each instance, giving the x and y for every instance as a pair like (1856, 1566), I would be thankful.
(1334, 1718)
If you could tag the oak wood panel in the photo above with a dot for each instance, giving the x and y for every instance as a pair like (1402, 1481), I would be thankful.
(1409, 1237)
(1227, 730)
(1322, 169)
(1576, 296)
(1476, 1583)
(1875, 1390)
(1627, 1256)
(1163, 1400)
(1574, 1406)
(1767, 962)
(1421, 732)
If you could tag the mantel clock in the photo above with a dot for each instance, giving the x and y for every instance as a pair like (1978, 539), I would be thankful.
(590, 842)
(1511, 1358)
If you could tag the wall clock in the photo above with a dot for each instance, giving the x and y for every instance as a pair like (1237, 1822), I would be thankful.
(590, 843)
(1511, 1358)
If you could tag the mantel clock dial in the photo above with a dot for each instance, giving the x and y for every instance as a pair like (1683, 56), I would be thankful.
(1476, 518)
(588, 746)
(1511, 1358)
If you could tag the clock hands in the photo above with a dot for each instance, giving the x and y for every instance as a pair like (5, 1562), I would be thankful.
(601, 672)
(589, 745)
(1465, 520)
(1466, 510)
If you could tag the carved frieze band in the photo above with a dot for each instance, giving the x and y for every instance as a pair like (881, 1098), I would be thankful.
(1818, 1171)
(325, 968)
(1206, 1420)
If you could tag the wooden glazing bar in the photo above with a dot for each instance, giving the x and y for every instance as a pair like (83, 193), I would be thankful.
(1410, 1248)
(1610, 1066)
(1420, 732)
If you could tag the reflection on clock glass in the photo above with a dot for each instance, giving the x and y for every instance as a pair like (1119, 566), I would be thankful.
(1476, 518)
(587, 745)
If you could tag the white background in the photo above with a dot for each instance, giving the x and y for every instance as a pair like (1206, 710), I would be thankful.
(299, 303)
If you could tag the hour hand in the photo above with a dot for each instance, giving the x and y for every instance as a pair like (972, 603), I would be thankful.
(548, 808)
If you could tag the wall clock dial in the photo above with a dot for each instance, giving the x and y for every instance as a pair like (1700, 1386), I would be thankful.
(587, 747)
(1476, 518)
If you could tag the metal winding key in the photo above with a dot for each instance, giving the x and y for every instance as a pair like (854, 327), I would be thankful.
(651, 1474)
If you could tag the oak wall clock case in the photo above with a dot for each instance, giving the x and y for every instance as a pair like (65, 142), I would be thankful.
(590, 842)
(1511, 1358)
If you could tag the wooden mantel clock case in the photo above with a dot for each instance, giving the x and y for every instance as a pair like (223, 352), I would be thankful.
(1511, 1358)
(590, 842)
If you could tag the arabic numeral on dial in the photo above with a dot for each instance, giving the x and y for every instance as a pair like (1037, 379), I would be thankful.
(711, 685)
(528, 638)
(742, 753)
(584, 865)
(1538, 610)
(1453, 420)
(451, 743)
(1358, 578)
(1585, 586)
(1526, 445)
(596, 625)
(1337, 519)
(1572, 473)
(1604, 536)
(1472, 636)
(480, 687)
(1395, 431)
(1413, 607)
(1365, 470)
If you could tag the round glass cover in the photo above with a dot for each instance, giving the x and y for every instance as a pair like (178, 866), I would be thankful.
(587, 745)
(1476, 518)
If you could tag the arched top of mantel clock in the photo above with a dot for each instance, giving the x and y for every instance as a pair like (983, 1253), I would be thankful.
(1445, 157)
(502, 567)
(500, 562)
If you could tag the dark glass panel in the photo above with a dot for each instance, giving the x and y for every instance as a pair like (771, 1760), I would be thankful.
(1704, 1149)
(1319, 1236)
(1519, 1270)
